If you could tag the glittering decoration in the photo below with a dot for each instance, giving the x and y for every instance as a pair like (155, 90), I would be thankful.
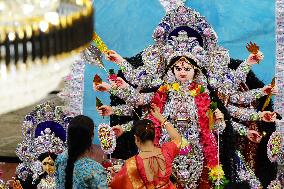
(2, 184)
(100, 44)
(72, 93)
(279, 66)
(43, 131)
(47, 183)
(275, 148)
(172, 4)
(107, 138)
(184, 18)
(245, 173)
(279, 74)
(182, 45)
(93, 56)
(275, 184)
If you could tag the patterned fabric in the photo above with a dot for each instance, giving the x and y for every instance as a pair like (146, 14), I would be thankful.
(133, 175)
(87, 173)
(169, 152)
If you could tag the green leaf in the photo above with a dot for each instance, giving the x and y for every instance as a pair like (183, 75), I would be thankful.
(98, 102)
(213, 106)
(202, 89)
(111, 71)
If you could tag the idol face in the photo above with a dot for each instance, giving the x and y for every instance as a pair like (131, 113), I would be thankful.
(48, 165)
(183, 70)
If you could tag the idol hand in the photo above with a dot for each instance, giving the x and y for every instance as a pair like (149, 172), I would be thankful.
(269, 89)
(117, 130)
(102, 87)
(254, 136)
(268, 116)
(119, 83)
(255, 58)
(218, 114)
(105, 110)
(114, 57)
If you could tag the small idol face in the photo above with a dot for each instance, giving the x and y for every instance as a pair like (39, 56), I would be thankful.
(183, 71)
(48, 165)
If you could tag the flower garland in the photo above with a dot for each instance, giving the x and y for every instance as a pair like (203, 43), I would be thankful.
(208, 140)
(159, 100)
(107, 138)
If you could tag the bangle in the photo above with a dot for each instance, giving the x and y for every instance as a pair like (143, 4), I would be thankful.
(165, 123)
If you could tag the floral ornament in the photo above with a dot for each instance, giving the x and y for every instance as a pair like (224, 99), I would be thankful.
(274, 146)
(164, 88)
(195, 89)
(175, 86)
(185, 148)
(112, 75)
(107, 138)
(217, 176)
(275, 184)
(208, 140)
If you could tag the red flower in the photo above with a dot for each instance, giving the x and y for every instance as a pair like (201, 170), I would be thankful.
(159, 100)
(112, 77)
(193, 86)
(208, 140)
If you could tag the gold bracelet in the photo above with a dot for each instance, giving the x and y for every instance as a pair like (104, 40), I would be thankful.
(165, 123)
(162, 123)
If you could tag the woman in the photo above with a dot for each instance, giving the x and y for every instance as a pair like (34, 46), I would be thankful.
(76, 168)
(152, 167)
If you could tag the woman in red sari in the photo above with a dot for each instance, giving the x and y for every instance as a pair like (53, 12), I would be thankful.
(152, 167)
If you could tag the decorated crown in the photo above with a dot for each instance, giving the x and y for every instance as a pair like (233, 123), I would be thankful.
(179, 18)
(183, 45)
(44, 131)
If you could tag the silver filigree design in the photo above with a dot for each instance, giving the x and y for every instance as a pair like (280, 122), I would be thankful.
(172, 4)
(39, 136)
(181, 16)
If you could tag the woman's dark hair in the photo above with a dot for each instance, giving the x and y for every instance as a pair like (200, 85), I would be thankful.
(45, 155)
(79, 139)
(144, 129)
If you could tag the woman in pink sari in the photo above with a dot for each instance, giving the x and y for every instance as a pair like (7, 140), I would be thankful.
(152, 167)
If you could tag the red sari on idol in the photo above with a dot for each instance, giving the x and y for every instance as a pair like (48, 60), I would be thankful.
(133, 174)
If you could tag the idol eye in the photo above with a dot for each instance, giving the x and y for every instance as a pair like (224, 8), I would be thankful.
(187, 69)
(44, 163)
(178, 69)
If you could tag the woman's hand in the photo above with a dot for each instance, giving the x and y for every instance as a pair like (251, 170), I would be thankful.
(268, 89)
(255, 58)
(105, 110)
(254, 136)
(155, 111)
(119, 83)
(218, 114)
(114, 57)
(268, 116)
(102, 87)
(117, 130)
